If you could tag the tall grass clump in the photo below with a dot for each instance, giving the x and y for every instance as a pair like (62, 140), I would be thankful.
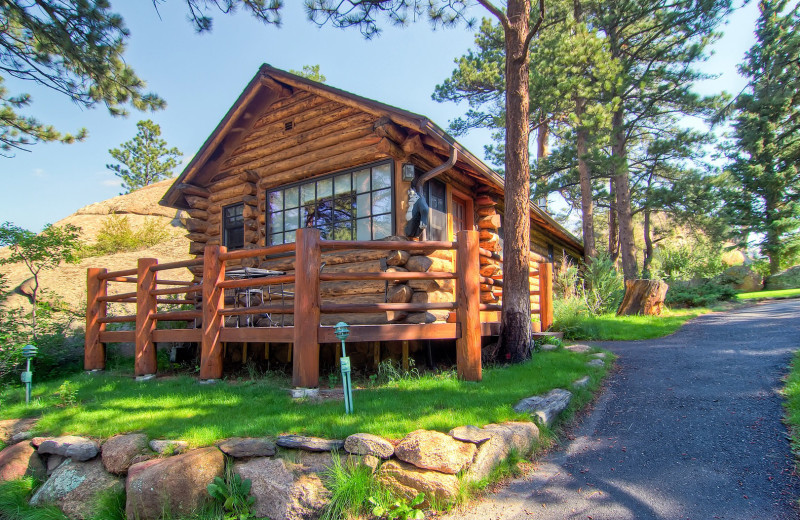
(117, 235)
(351, 486)
(14, 497)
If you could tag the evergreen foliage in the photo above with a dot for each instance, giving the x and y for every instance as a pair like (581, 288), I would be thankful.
(761, 187)
(145, 159)
(77, 48)
(310, 72)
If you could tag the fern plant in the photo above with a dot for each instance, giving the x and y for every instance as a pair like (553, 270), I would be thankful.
(400, 509)
(233, 496)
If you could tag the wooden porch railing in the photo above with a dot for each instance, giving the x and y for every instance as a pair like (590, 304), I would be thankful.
(306, 333)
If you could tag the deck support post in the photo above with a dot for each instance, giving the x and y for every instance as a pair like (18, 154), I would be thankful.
(305, 366)
(468, 344)
(211, 357)
(145, 356)
(546, 295)
(94, 352)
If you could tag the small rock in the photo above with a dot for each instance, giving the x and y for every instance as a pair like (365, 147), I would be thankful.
(20, 460)
(37, 441)
(599, 355)
(469, 433)
(119, 451)
(368, 444)
(53, 462)
(302, 442)
(247, 447)
(76, 448)
(21, 436)
(407, 481)
(304, 393)
(174, 485)
(75, 486)
(581, 383)
(311, 461)
(579, 349)
(279, 493)
(545, 407)
(166, 447)
(11, 427)
(371, 461)
(548, 347)
(434, 450)
(595, 363)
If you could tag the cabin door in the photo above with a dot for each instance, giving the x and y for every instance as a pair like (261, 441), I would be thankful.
(461, 213)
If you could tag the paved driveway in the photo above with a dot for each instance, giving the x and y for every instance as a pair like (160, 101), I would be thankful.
(689, 427)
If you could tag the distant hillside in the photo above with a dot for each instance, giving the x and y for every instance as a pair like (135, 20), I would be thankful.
(69, 280)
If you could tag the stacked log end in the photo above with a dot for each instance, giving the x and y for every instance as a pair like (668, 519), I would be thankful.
(420, 291)
(488, 227)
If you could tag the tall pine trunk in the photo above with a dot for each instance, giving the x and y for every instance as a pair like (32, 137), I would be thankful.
(648, 245)
(515, 334)
(613, 229)
(581, 138)
(627, 247)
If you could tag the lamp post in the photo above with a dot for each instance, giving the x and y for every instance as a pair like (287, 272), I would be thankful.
(28, 352)
(342, 331)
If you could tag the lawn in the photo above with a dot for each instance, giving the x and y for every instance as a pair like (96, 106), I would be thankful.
(791, 392)
(760, 295)
(610, 327)
(179, 408)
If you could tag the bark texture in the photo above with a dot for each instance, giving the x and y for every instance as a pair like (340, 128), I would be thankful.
(643, 297)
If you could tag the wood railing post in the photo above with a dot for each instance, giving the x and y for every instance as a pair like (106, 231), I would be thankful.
(94, 352)
(468, 299)
(546, 294)
(305, 364)
(211, 358)
(145, 357)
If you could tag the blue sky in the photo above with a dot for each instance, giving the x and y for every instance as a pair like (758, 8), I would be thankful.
(200, 76)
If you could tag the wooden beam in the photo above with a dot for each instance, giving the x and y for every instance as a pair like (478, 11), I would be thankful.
(117, 336)
(392, 332)
(191, 189)
(211, 358)
(468, 346)
(546, 295)
(305, 368)
(94, 351)
(145, 354)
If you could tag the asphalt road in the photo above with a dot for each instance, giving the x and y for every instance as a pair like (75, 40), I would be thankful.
(689, 427)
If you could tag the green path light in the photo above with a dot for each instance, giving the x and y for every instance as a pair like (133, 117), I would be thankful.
(342, 331)
(28, 352)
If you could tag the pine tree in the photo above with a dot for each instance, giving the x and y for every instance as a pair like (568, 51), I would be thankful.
(77, 48)
(762, 190)
(145, 159)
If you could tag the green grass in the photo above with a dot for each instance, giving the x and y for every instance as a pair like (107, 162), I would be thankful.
(610, 327)
(791, 392)
(761, 295)
(180, 408)
(14, 496)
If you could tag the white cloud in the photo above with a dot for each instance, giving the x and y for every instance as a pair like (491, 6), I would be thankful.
(111, 182)
(39, 173)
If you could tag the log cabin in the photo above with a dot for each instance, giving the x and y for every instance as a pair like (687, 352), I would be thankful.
(304, 211)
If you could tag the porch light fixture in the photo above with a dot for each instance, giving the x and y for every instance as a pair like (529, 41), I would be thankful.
(342, 331)
(408, 172)
(28, 352)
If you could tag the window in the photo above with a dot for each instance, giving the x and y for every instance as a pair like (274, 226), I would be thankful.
(437, 202)
(233, 226)
(354, 205)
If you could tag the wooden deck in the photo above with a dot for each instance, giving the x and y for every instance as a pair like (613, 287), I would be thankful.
(306, 332)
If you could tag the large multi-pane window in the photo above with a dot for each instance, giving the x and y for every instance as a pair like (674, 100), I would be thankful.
(233, 226)
(353, 205)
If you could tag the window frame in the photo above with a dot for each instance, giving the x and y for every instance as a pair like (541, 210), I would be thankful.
(225, 228)
(313, 180)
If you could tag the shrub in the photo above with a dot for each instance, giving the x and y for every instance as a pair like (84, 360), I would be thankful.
(685, 294)
(604, 286)
(117, 234)
(701, 259)
(568, 313)
(565, 280)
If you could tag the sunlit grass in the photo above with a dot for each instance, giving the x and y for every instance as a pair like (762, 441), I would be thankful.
(610, 327)
(760, 295)
(180, 408)
(791, 392)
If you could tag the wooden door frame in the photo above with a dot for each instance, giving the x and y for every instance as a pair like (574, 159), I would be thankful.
(469, 209)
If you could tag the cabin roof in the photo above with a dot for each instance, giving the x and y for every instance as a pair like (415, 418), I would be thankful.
(270, 78)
